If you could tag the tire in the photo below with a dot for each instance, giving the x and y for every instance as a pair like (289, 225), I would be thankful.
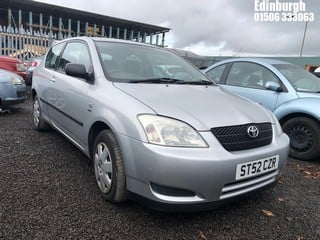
(109, 168)
(38, 122)
(304, 134)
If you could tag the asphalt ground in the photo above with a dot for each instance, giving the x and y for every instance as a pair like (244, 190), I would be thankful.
(48, 191)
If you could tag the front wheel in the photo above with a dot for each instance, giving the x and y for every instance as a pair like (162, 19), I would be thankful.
(304, 134)
(38, 122)
(109, 168)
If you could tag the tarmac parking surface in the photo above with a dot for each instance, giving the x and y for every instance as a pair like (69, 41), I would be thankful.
(48, 191)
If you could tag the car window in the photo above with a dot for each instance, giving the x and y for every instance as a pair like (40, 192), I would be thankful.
(53, 56)
(300, 79)
(250, 75)
(75, 52)
(216, 73)
(129, 62)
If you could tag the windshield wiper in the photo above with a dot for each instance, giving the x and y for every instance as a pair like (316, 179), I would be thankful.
(199, 82)
(171, 80)
(157, 80)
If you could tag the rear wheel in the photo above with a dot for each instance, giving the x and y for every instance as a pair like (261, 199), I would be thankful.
(109, 168)
(38, 122)
(304, 134)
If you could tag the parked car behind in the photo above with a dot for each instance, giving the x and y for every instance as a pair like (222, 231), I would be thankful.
(13, 65)
(176, 140)
(12, 89)
(32, 63)
(289, 91)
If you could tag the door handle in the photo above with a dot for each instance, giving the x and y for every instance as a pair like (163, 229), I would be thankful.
(52, 79)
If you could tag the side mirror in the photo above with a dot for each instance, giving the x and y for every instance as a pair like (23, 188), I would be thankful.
(274, 86)
(79, 70)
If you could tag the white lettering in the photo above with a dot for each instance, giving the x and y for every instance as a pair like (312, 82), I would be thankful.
(277, 6)
(256, 5)
(302, 6)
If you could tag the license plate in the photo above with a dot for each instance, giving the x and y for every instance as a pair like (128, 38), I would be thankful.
(257, 167)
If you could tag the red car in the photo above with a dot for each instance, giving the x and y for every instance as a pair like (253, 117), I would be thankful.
(14, 65)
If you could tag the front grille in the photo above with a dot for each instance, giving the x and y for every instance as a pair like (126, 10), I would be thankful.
(21, 94)
(236, 138)
(248, 185)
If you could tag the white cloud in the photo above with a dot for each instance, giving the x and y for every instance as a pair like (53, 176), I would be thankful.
(213, 27)
(201, 48)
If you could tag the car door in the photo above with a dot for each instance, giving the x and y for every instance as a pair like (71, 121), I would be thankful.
(68, 96)
(248, 80)
(47, 76)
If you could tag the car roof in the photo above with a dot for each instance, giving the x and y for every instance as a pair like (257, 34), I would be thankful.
(262, 61)
(104, 39)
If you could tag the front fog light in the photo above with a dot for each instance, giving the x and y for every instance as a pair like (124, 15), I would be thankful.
(169, 132)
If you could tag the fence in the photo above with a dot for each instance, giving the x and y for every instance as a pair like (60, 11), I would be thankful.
(21, 44)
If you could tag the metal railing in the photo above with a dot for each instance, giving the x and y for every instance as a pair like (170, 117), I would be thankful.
(21, 44)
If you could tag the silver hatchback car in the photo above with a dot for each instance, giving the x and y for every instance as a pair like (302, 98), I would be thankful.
(172, 138)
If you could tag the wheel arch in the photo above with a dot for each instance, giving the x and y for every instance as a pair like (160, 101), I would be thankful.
(96, 127)
(297, 114)
(33, 93)
(303, 131)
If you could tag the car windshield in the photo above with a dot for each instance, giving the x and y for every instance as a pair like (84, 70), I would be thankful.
(301, 80)
(133, 63)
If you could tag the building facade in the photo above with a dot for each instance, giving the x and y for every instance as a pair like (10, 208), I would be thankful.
(27, 28)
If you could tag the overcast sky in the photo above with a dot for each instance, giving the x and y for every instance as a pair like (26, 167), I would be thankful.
(214, 27)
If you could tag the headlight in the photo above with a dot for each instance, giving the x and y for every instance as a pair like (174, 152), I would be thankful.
(169, 132)
(16, 81)
(21, 67)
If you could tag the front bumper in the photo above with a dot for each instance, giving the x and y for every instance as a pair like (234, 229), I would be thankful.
(191, 176)
(12, 94)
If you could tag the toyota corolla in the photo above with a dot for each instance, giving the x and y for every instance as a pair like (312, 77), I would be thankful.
(173, 138)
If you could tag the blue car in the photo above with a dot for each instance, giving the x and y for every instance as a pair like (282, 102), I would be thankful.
(13, 89)
(289, 91)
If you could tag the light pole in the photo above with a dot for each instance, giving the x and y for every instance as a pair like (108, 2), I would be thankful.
(304, 36)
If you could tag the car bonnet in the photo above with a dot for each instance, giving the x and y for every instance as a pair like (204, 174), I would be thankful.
(6, 75)
(203, 107)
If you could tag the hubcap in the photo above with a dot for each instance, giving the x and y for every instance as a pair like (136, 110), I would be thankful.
(103, 167)
(301, 138)
(36, 112)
